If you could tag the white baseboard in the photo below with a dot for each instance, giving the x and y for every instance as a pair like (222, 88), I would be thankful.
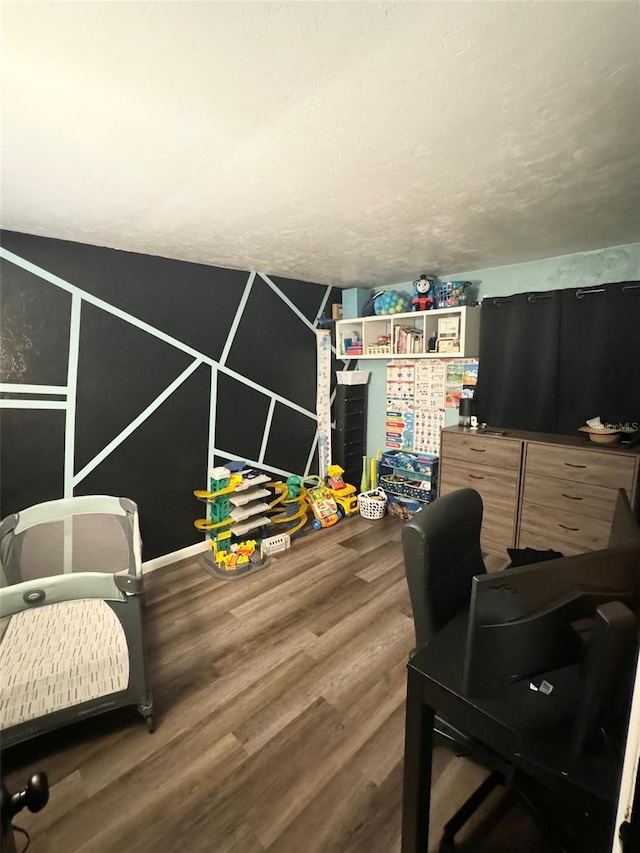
(174, 557)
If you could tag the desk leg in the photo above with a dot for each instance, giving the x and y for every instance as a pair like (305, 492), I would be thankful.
(418, 745)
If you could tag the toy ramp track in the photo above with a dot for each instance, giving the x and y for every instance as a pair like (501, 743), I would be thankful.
(232, 573)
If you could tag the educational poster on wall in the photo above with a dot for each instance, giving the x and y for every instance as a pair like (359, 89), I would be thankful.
(461, 381)
(429, 422)
(440, 384)
(419, 395)
(400, 424)
(400, 408)
(469, 378)
(455, 373)
(401, 380)
(430, 393)
(430, 385)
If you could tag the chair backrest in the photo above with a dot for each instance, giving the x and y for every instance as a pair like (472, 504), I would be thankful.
(442, 553)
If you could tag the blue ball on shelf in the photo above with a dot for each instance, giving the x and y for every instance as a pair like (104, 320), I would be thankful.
(392, 302)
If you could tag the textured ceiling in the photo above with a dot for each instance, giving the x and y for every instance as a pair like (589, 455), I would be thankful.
(346, 143)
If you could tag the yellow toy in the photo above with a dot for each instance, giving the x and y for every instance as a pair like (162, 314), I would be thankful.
(344, 495)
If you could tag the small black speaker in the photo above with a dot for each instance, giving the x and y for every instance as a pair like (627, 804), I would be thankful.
(466, 410)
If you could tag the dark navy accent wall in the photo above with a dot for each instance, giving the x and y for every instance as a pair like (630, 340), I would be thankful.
(154, 356)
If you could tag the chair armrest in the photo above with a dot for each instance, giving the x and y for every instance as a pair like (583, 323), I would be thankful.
(36, 593)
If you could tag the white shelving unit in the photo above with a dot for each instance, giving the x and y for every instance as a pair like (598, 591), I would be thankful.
(413, 330)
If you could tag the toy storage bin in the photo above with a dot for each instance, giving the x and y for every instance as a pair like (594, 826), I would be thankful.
(405, 487)
(403, 508)
(451, 294)
(352, 377)
(372, 504)
(419, 463)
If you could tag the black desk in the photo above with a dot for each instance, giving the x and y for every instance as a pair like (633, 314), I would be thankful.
(527, 729)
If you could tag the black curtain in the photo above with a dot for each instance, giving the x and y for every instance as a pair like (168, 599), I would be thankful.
(599, 370)
(550, 360)
(518, 371)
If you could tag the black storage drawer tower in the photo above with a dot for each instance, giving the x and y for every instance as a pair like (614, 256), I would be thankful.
(349, 443)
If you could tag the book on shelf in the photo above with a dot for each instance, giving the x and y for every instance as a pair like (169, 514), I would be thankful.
(408, 341)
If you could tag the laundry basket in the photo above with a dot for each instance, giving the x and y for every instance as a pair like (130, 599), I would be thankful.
(373, 504)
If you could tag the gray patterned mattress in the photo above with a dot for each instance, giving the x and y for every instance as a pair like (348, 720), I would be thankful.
(58, 656)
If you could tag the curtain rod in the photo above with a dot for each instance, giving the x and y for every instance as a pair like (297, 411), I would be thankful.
(534, 297)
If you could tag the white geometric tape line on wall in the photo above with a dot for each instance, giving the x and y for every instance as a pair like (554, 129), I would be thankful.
(78, 295)
(54, 390)
(72, 385)
(136, 422)
(236, 320)
(288, 302)
(147, 327)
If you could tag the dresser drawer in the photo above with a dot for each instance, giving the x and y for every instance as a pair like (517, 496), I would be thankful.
(498, 526)
(495, 538)
(497, 487)
(583, 466)
(552, 525)
(582, 499)
(482, 450)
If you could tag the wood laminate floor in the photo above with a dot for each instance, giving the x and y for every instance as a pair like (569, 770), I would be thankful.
(280, 709)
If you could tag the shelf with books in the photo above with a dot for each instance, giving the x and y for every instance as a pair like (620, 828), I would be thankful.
(453, 332)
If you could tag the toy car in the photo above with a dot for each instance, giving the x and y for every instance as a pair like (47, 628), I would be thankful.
(344, 495)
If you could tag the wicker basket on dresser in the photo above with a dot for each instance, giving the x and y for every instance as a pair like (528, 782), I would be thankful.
(539, 491)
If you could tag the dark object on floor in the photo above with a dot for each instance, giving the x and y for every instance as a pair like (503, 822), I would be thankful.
(528, 556)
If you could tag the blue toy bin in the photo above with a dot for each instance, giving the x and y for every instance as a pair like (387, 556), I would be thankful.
(451, 294)
(404, 508)
(419, 463)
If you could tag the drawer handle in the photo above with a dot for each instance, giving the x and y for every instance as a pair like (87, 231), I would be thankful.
(476, 476)
(564, 526)
(572, 497)
(478, 449)
(573, 465)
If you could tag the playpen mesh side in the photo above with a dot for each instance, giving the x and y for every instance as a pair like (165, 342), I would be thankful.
(95, 542)
(60, 655)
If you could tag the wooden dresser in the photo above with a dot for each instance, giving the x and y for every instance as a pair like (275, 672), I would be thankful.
(539, 491)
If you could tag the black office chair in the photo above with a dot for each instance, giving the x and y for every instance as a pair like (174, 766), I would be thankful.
(442, 553)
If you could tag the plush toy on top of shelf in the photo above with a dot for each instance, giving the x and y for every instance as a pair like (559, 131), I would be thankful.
(422, 301)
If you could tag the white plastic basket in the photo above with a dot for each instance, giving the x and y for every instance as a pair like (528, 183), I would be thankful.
(352, 377)
(373, 504)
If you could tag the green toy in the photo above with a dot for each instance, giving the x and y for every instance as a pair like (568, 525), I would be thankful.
(293, 487)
